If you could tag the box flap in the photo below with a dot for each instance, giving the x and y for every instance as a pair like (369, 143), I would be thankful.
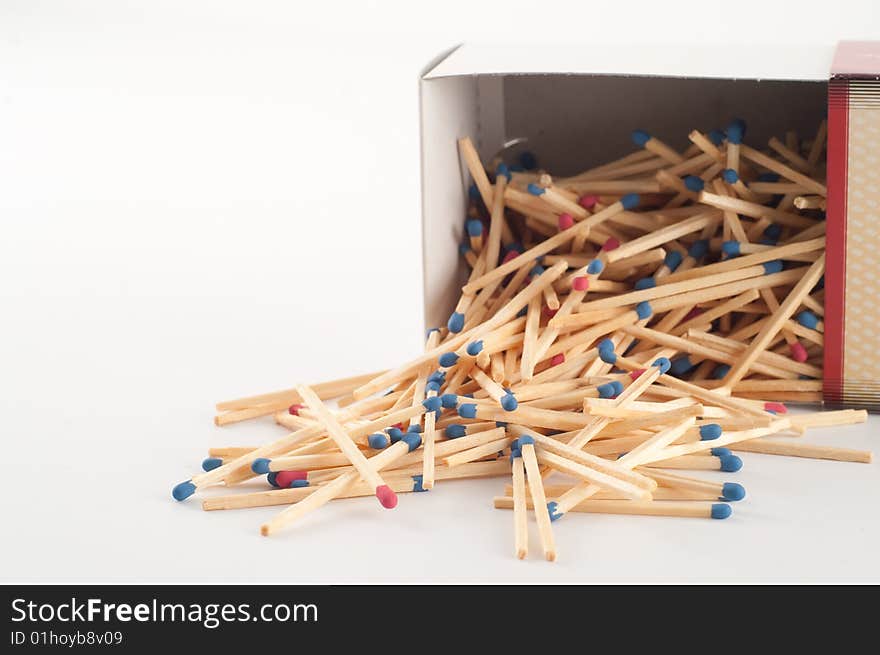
(768, 62)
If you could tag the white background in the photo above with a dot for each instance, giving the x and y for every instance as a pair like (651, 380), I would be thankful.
(202, 200)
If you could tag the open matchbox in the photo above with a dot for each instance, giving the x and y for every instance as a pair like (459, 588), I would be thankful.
(576, 106)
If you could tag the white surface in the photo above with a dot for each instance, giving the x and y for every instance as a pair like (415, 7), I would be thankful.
(768, 62)
(172, 177)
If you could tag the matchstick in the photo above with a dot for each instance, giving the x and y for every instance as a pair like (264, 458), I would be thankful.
(536, 488)
(521, 534)
(387, 498)
(631, 507)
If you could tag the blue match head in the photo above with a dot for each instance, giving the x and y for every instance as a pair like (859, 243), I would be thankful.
(504, 170)
(607, 356)
(731, 463)
(720, 511)
(463, 249)
(710, 432)
(536, 190)
(415, 427)
(500, 424)
(270, 478)
(663, 364)
(552, 509)
(630, 201)
(455, 430)
(467, 395)
(699, 249)
(716, 136)
(736, 131)
(260, 465)
(522, 312)
(681, 365)
(210, 463)
(606, 390)
(720, 372)
(732, 491)
(417, 483)
(606, 344)
(467, 410)
(448, 359)
(437, 376)
(474, 227)
(431, 404)
(806, 318)
(719, 452)
(730, 176)
(537, 270)
(514, 453)
(296, 484)
(528, 160)
(429, 330)
(413, 440)
(731, 248)
(773, 231)
(474, 348)
(693, 183)
(525, 439)
(473, 192)
(395, 434)
(773, 266)
(433, 386)
(643, 309)
(672, 260)
(768, 177)
(449, 401)
(595, 267)
(184, 490)
(618, 387)
(645, 283)
(508, 402)
(640, 138)
(455, 322)
(377, 441)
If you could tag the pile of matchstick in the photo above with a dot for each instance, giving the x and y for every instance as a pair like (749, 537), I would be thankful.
(620, 331)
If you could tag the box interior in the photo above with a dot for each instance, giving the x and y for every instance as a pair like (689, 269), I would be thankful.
(572, 122)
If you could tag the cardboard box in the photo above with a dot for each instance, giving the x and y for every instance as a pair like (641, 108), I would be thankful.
(852, 300)
(577, 106)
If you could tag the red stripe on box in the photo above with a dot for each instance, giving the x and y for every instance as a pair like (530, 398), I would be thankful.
(835, 239)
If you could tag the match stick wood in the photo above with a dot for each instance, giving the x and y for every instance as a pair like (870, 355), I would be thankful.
(520, 518)
(536, 488)
(347, 445)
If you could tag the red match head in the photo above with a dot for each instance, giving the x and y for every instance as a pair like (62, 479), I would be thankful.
(779, 408)
(611, 244)
(798, 352)
(581, 283)
(636, 373)
(511, 254)
(556, 360)
(588, 201)
(293, 410)
(565, 221)
(386, 496)
(549, 313)
(284, 478)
